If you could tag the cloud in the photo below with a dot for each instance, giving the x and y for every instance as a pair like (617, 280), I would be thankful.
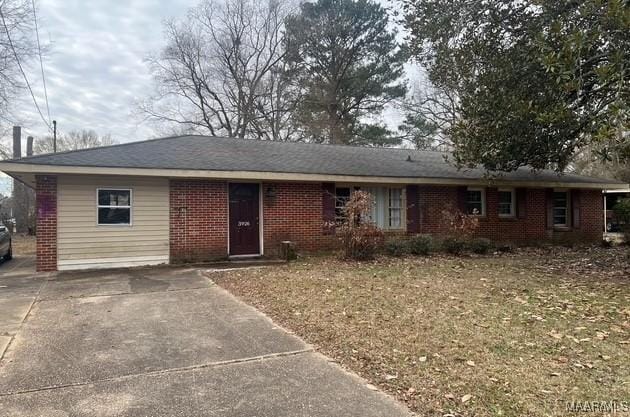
(94, 64)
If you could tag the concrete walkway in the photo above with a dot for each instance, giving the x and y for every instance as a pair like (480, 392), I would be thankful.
(160, 342)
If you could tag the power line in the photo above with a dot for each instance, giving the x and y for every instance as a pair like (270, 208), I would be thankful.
(41, 63)
(6, 29)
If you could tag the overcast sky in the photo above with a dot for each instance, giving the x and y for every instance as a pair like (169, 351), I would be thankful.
(94, 67)
(94, 64)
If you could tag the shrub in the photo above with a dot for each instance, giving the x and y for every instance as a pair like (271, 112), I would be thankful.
(505, 247)
(460, 225)
(481, 245)
(396, 248)
(454, 245)
(421, 245)
(360, 239)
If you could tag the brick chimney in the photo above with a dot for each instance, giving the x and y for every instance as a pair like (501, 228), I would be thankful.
(29, 146)
(17, 142)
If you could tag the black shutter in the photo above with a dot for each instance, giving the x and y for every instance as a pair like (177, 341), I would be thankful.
(328, 207)
(413, 209)
(521, 203)
(575, 209)
(549, 203)
(462, 196)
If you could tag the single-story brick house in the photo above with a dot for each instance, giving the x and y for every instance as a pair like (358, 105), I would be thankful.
(198, 198)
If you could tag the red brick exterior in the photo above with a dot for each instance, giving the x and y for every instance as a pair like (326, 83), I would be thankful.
(591, 215)
(198, 220)
(293, 211)
(433, 200)
(46, 202)
(527, 227)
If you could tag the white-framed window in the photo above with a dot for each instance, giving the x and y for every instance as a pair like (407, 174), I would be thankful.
(560, 208)
(507, 202)
(113, 206)
(395, 208)
(476, 201)
(388, 210)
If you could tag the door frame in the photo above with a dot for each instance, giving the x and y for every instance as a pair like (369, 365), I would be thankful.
(260, 219)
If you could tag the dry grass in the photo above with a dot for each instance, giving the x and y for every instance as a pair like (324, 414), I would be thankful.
(506, 335)
(23, 245)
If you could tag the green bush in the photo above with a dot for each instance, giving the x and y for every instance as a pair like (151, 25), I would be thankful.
(396, 248)
(481, 245)
(453, 245)
(421, 245)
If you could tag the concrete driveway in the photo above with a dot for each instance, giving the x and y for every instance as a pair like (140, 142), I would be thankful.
(160, 342)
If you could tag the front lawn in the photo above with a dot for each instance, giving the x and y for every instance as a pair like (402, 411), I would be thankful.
(511, 335)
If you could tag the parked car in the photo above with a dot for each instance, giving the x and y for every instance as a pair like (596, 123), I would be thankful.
(6, 249)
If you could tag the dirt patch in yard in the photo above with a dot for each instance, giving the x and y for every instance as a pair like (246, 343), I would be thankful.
(513, 335)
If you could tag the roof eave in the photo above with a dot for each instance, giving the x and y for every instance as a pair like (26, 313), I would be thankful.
(19, 169)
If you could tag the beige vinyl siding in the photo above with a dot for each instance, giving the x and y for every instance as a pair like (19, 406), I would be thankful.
(82, 243)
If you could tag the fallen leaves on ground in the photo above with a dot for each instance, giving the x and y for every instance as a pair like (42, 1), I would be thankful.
(511, 335)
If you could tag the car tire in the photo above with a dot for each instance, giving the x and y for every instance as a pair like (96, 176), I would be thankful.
(9, 254)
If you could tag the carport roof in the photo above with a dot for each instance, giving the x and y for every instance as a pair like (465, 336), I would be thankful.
(228, 155)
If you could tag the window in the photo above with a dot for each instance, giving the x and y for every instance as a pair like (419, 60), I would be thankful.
(395, 208)
(506, 203)
(560, 208)
(114, 206)
(342, 195)
(475, 202)
(388, 211)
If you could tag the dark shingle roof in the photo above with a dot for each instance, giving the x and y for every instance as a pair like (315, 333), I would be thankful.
(229, 154)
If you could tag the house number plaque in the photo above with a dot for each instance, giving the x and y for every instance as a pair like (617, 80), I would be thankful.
(243, 223)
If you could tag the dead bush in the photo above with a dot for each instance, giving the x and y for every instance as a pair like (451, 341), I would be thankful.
(360, 237)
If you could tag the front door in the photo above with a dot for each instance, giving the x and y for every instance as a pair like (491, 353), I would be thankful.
(244, 219)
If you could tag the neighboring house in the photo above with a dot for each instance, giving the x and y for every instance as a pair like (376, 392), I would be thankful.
(196, 198)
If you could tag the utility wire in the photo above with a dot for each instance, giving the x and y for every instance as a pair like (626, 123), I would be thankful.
(41, 63)
(6, 29)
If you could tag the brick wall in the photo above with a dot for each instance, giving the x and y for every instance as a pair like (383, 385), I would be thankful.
(294, 213)
(530, 226)
(46, 202)
(592, 213)
(198, 220)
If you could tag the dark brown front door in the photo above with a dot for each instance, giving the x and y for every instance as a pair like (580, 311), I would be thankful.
(244, 213)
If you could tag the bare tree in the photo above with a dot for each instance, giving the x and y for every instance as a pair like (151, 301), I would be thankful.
(220, 71)
(428, 113)
(277, 106)
(74, 140)
(16, 48)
